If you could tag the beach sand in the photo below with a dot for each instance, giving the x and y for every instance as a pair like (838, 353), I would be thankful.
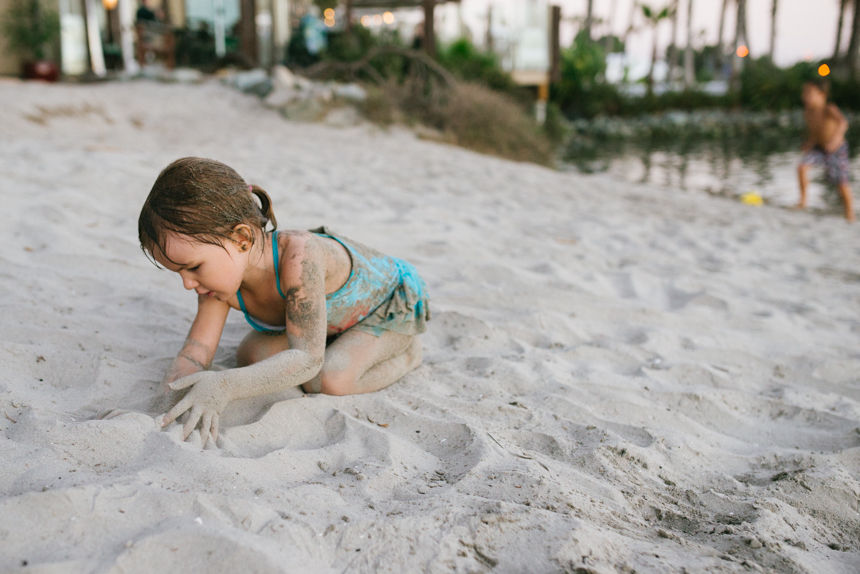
(616, 378)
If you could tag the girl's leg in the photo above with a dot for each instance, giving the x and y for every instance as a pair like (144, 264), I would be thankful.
(257, 346)
(358, 362)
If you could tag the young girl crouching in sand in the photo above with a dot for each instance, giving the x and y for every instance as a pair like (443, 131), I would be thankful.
(328, 313)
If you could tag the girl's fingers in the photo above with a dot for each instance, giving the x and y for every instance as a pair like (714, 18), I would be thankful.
(205, 427)
(192, 422)
(180, 408)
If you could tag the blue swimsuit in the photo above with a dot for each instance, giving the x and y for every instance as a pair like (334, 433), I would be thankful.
(381, 294)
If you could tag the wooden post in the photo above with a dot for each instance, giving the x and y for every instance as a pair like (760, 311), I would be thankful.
(555, 44)
(429, 31)
(348, 23)
(248, 26)
(542, 101)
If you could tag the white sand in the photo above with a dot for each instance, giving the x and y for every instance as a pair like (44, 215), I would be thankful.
(617, 378)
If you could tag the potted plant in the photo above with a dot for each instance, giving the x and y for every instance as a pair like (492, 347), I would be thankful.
(30, 30)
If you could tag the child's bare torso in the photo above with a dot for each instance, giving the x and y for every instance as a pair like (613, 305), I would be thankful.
(822, 124)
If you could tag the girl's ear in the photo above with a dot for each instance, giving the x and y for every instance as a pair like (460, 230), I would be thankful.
(243, 236)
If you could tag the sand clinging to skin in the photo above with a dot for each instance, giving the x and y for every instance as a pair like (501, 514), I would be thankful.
(616, 378)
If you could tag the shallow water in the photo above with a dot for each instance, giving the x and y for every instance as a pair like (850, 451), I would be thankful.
(727, 166)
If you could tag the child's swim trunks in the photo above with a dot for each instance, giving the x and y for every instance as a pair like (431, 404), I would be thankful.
(836, 164)
(381, 294)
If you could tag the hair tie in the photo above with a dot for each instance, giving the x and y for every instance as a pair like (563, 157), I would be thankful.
(250, 188)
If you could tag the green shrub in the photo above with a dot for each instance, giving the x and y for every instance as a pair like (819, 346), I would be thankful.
(468, 63)
(30, 28)
(581, 91)
(767, 87)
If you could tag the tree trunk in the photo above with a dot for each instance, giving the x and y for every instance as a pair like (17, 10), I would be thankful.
(650, 79)
(633, 11)
(588, 18)
(720, 45)
(689, 63)
(851, 59)
(842, 5)
(673, 46)
(740, 36)
(429, 28)
(772, 28)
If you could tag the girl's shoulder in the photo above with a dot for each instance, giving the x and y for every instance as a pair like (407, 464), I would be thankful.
(297, 248)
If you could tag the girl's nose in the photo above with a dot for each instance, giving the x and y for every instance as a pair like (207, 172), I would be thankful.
(188, 282)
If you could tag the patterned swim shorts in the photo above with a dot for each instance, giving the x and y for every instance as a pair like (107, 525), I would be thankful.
(836, 163)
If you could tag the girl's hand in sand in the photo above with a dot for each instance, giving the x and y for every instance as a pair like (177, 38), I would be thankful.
(182, 367)
(206, 399)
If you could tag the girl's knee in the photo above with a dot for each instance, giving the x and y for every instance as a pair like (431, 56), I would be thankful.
(337, 383)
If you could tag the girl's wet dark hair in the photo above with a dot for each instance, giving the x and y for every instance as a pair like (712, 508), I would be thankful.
(203, 199)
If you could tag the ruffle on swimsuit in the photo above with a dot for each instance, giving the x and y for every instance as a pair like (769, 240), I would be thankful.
(381, 294)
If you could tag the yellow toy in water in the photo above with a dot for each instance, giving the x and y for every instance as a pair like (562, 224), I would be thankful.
(752, 198)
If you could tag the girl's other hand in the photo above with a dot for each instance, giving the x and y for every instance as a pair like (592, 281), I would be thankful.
(206, 400)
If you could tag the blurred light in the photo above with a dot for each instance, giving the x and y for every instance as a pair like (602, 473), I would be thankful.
(808, 56)
(365, 21)
(743, 51)
(377, 19)
(823, 69)
(329, 22)
(388, 18)
(329, 13)
(109, 4)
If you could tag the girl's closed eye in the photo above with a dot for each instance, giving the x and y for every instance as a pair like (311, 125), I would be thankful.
(195, 268)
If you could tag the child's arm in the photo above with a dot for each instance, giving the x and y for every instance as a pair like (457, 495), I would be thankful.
(842, 127)
(303, 272)
(202, 341)
(199, 348)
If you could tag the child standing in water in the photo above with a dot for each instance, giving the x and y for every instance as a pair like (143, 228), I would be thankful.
(328, 314)
(826, 144)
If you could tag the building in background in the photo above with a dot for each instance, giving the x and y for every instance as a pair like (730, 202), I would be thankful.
(102, 34)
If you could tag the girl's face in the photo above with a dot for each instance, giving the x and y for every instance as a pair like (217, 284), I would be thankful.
(209, 270)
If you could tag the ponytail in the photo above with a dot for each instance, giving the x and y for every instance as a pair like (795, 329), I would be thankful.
(265, 204)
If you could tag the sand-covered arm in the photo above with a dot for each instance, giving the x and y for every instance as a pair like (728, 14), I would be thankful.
(303, 281)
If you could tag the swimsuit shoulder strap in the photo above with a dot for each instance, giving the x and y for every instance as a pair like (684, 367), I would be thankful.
(275, 257)
(251, 322)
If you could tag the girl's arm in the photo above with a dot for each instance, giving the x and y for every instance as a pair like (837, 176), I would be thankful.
(303, 281)
(202, 341)
(199, 348)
